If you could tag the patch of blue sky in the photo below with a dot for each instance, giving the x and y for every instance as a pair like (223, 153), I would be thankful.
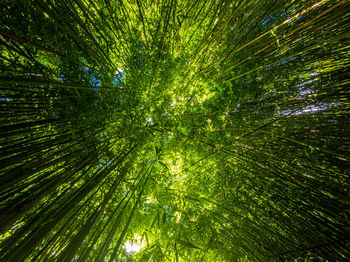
(269, 19)
(97, 83)
(286, 60)
(309, 109)
(283, 62)
(273, 16)
(110, 162)
(149, 121)
(93, 76)
(265, 22)
(94, 80)
(118, 78)
(61, 77)
(14, 226)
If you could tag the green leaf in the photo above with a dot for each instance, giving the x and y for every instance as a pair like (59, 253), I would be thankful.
(186, 243)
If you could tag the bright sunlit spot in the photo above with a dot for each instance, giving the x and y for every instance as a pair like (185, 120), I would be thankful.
(134, 246)
(149, 120)
(120, 70)
(131, 247)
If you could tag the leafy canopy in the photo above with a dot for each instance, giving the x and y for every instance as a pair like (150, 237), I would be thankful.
(174, 130)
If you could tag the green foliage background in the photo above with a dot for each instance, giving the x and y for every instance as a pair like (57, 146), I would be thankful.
(205, 130)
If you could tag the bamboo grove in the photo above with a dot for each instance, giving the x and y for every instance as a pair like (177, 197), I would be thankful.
(174, 130)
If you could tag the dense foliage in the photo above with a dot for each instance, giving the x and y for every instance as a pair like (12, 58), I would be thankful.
(172, 130)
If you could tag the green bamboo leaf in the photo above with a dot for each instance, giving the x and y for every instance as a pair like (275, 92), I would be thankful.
(186, 243)
(164, 165)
